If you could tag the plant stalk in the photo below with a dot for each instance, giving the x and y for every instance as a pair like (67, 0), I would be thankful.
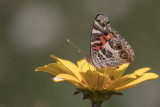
(96, 104)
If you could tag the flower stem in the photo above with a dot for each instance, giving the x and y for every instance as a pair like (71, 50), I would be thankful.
(96, 104)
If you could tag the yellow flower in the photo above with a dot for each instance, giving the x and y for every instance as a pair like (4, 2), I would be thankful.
(86, 77)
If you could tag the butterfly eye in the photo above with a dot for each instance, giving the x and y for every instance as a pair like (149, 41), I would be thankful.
(108, 22)
(118, 46)
(123, 55)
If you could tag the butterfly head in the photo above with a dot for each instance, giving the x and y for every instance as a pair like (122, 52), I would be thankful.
(102, 23)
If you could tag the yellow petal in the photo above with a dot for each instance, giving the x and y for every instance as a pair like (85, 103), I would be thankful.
(145, 77)
(66, 63)
(141, 71)
(84, 66)
(121, 82)
(54, 69)
(94, 79)
(58, 79)
(86, 79)
(69, 78)
(71, 66)
(101, 81)
(117, 73)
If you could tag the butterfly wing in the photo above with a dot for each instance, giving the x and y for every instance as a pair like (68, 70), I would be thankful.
(108, 48)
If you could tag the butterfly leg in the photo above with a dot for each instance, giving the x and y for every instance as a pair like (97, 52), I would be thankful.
(82, 66)
(94, 68)
(112, 75)
(105, 70)
(89, 66)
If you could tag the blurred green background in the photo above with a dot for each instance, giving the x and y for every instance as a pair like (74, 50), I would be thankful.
(31, 30)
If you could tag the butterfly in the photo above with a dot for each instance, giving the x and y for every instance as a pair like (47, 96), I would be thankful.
(108, 48)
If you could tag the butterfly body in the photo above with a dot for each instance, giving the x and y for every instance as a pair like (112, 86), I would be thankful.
(108, 48)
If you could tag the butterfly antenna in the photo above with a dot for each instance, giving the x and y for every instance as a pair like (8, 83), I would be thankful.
(79, 49)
